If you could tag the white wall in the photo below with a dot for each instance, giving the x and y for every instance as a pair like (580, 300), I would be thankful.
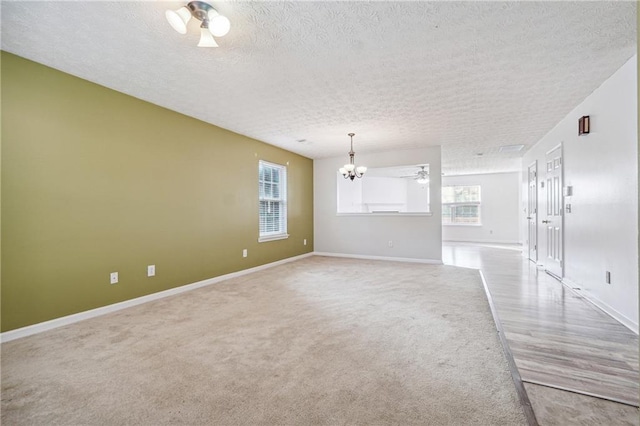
(601, 231)
(381, 193)
(350, 199)
(418, 198)
(413, 236)
(499, 209)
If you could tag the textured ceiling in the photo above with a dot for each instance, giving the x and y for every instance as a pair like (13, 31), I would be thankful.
(470, 76)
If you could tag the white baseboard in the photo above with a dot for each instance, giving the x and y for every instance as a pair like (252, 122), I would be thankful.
(395, 259)
(622, 319)
(7, 336)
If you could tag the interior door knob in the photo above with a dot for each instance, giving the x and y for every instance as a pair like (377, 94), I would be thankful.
(546, 221)
(529, 218)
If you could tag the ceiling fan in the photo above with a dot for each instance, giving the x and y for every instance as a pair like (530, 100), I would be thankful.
(421, 176)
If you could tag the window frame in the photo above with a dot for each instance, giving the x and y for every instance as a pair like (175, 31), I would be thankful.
(455, 204)
(281, 233)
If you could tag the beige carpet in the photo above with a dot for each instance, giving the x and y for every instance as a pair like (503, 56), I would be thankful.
(318, 341)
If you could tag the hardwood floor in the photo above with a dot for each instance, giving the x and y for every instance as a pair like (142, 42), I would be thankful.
(558, 339)
(554, 407)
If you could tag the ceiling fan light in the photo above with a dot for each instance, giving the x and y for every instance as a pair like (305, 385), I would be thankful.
(422, 180)
(219, 25)
(178, 19)
(206, 39)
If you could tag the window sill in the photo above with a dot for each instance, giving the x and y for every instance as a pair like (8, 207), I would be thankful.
(276, 237)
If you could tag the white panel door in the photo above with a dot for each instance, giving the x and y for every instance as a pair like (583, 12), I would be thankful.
(532, 212)
(554, 215)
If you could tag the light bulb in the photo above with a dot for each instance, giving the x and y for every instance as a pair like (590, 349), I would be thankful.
(206, 39)
(178, 19)
(361, 170)
(349, 167)
(343, 171)
(218, 25)
(422, 181)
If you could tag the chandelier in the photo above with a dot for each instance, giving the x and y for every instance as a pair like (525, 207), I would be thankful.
(350, 171)
(213, 24)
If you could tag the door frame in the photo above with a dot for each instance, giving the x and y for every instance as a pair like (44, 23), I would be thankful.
(529, 216)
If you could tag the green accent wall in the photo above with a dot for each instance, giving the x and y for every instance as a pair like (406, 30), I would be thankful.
(95, 181)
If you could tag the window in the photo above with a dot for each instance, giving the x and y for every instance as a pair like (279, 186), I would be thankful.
(461, 205)
(272, 181)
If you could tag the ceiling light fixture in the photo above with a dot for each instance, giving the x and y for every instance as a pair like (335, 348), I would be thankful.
(350, 171)
(213, 24)
(423, 176)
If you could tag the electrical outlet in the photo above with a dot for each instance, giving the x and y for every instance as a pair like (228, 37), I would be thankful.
(390, 243)
(151, 270)
(113, 278)
(304, 241)
(607, 277)
(244, 253)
